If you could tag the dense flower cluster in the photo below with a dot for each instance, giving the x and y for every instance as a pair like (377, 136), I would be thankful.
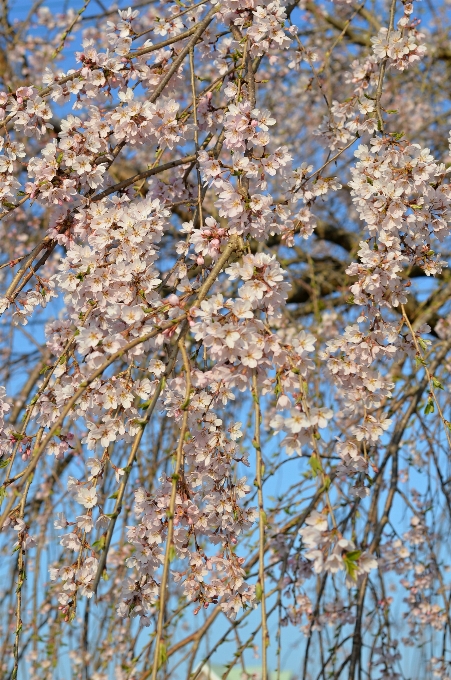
(208, 278)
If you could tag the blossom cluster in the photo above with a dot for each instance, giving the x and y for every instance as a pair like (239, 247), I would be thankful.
(180, 234)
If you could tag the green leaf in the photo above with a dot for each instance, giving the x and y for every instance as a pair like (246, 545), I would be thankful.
(353, 555)
(429, 408)
(350, 561)
(315, 464)
(4, 463)
(100, 544)
(113, 495)
(258, 592)
(162, 654)
(437, 384)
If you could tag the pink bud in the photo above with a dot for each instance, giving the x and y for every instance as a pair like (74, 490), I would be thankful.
(173, 300)
(169, 332)
(200, 260)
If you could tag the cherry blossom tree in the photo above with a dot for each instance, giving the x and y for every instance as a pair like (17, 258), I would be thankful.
(225, 338)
